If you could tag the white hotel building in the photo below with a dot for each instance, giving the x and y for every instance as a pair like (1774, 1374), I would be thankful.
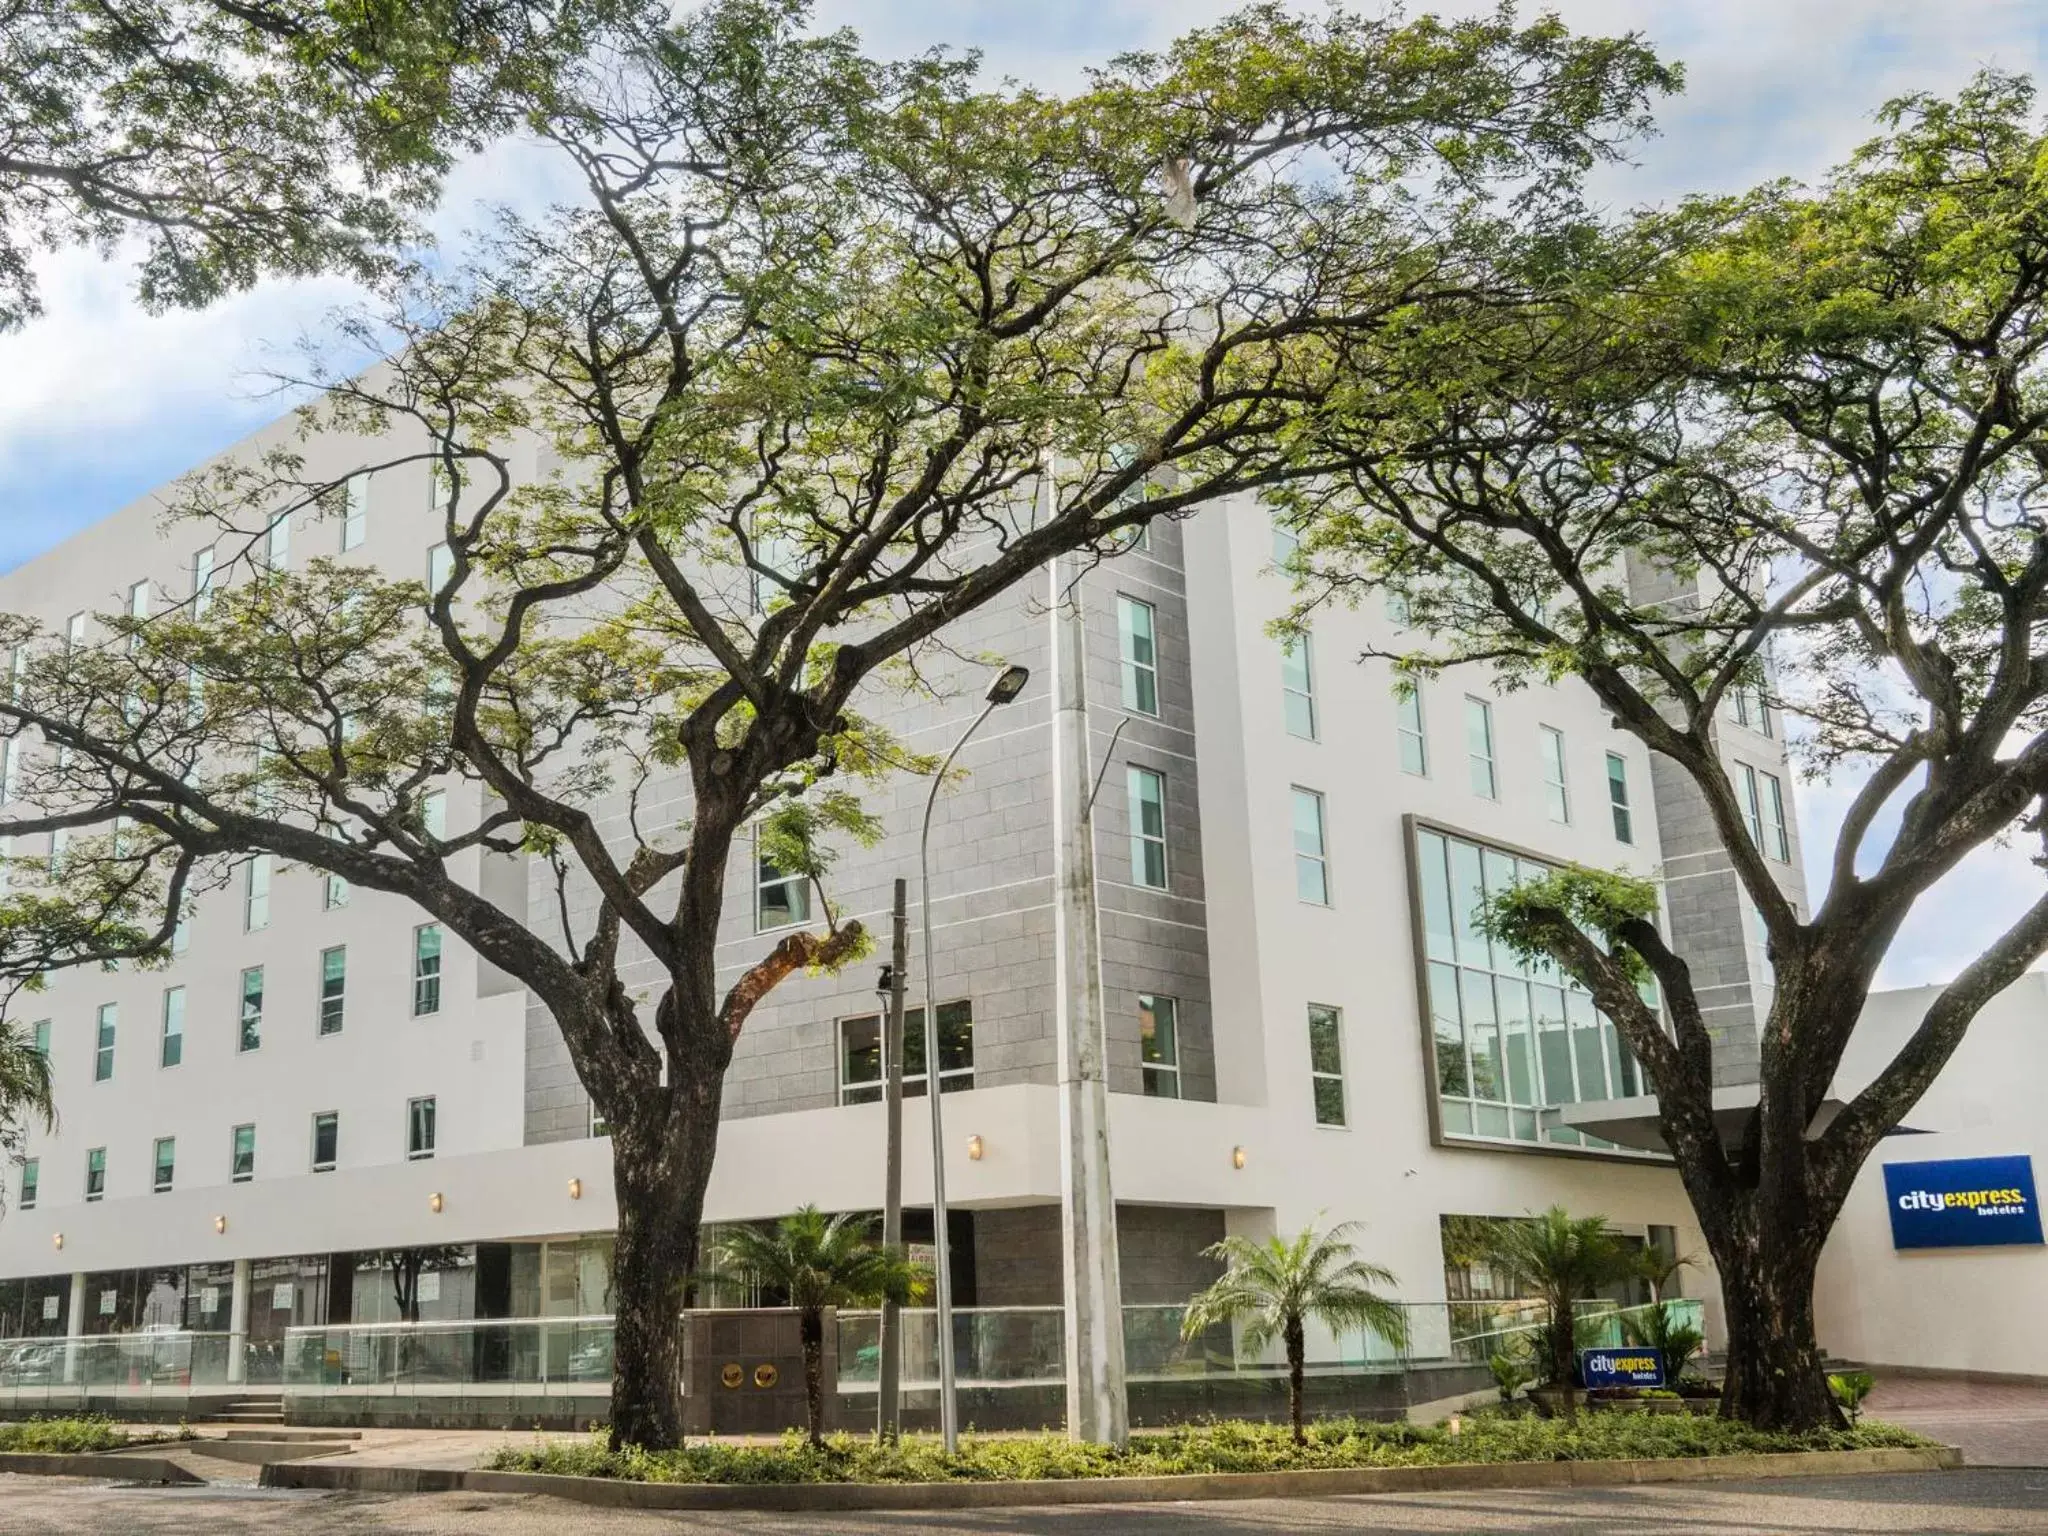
(1304, 1026)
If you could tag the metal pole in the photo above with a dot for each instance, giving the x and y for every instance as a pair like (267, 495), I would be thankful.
(889, 1424)
(949, 1408)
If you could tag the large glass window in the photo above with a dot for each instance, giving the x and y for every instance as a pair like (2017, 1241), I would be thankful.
(1298, 687)
(426, 970)
(1311, 853)
(1511, 1037)
(861, 1078)
(333, 989)
(1556, 792)
(251, 1034)
(1159, 1045)
(1134, 633)
(171, 1051)
(1326, 1062)
(1147, 792)
(1617, 798)
(1479, 748)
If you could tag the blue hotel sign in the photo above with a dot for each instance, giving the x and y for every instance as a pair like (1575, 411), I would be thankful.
(1629, 1367)
(1972, 1202)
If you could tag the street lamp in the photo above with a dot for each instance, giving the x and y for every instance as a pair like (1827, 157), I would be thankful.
(1007, 684)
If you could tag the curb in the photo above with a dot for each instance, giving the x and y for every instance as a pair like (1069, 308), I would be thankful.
(120, 1467)
(611, 1493)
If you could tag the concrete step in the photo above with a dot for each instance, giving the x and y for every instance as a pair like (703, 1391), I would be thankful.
(274, 1436)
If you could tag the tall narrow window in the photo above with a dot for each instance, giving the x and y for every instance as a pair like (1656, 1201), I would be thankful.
(1311, 859)
(1286, 546)
(1297, 687)
(202, 582)
(1159, 1045)
(242, 1154)
(1147, 792)
(355, 510)
(96, 1173)
(256, 893)
(165, 1164)
(781, 899)
(1777, 841)
(277, 542)
(1557, 796)
(434, 812)
(333, 989)
(1479, 748)
(334, 892)
(1752, 806)
(419, 1128)
(250, 1035)
(1134, 633)
(440, 566)
(60, 853)
(31, 1183)
(10, 769)
(426, 970)
(1617, 797)
(138, 601)
(1326, 1062)
(172, 1048)
(74, 632)
(103, 1043)
(39, 1038)
(326, 1140)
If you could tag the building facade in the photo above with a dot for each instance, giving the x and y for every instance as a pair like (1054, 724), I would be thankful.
(1304, 1023)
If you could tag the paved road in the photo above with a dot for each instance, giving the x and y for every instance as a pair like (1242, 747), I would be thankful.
(1968, 1503)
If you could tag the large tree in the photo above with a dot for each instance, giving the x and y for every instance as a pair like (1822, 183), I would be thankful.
(1792, 442)
(243, 137)
(795, 366)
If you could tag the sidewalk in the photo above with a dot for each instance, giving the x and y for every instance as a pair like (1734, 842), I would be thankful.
(1996, 1424)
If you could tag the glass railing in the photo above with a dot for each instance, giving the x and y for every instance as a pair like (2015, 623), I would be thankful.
(169, 1363)
(529, 1354)
(992, 1346)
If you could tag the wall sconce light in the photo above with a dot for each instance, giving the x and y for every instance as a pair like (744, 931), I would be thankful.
(220, 1223)
(1237, 1157)
(974, 1149)
(434, 1202)
(57, 1240)
(575, 1189)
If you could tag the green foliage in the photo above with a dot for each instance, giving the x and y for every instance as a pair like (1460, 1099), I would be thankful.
(1221, 1447)
(1560, 1258)
(1537, 919)
(1659, 1327)
(70, 1436)
(1849, 1389)
(1512, 1371)
(816, 1261)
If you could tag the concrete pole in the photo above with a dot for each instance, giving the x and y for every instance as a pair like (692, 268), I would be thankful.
(1096, 1408)
(74, 1327)
(889, 1417)
(238, 1325)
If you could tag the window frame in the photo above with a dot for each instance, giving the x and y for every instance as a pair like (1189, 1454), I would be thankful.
(163, 1175)
(1157, 1072)
(95, 1168)
(871, 1090)
(166, 1056)
(421, 1115)
(1318, 1075)
(277, 542)
(1142, 842)
(248, 1021)
(1298, 796)
(332, 1013)
(796, 890)
(428, 970)
(333, 1119)
(256, 874)
(106, 1028)
(236, 1173)
(31, 1189)
(1135, 677)
(1621, 810)
(1300, 644)
(355, 511)
(1557, 791)
(1479, 714)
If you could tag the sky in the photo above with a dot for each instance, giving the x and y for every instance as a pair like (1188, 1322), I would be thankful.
(100, 402)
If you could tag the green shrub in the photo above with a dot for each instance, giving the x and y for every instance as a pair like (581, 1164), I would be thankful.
(1217, 1447)
(1850, 1388)
(64, 1437)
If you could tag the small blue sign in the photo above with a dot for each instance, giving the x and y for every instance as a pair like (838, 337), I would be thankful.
(1629, 1367)
(1968, 1202)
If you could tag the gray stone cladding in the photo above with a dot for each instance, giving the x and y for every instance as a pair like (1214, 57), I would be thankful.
(991, 857)
(1160, 1250)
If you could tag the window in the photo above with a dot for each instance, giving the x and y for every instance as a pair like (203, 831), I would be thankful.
(138, 601)
(60, 849)
(1763, 805)
(166, 1164)
(96, 1173)
(355, 510)
(1509, 1037)
(171, 1049)
(1408, 728)
(1479, 747)
(39, 1038)
(1159, 1045)
(74, 632)
(181, 936)
(1398, 612)
(242, 1157)
(419, 1128)
(1297, 687)
(326, 1140)
(1326, 1062)
(1134, 635)
(1148, 827)
(780, 900)
(1752, 708)
(434, 813)
(256, 893)
(334, 893)
(1617, 797)
(1311, 860)
(10, 769)
(599, 1126)
(426, 970)
(440, 566)
(202, 582)
(1557, 798)
(277, 542)
(861, 1071)
(103, 1044)
(251, 1036)
(1286, 546)
(333, 989)
(31, 1181)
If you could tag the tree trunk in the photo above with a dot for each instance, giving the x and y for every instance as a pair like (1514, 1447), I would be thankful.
(1297, 1350)
(1561, 1336)
(1776, 1378)
(811, 1321)
(660, 1168)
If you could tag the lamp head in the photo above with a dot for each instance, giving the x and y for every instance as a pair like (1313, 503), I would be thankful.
(1008, 684)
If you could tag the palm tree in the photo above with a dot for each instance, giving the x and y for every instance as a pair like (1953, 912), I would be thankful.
(1271, 1289)
(24, 1088)
(818, 1261)
(1561, 1258)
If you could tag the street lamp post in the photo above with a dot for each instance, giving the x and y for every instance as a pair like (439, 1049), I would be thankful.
(1007, 685)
